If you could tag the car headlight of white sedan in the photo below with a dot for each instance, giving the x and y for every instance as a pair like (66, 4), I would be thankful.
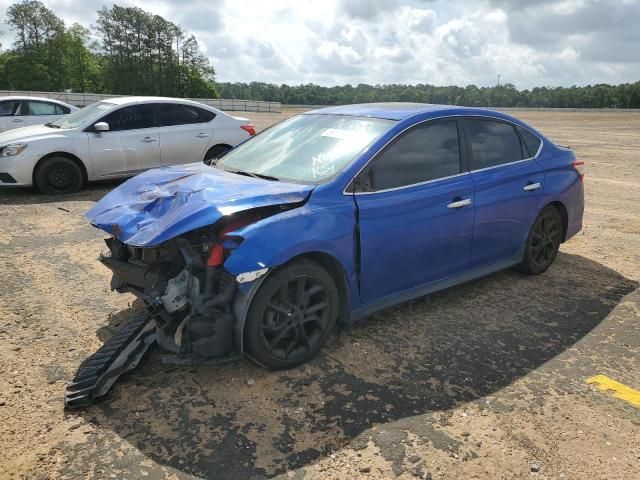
(12, 150)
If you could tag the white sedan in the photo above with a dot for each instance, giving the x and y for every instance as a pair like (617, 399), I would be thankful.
(114, 138)
(18, 112)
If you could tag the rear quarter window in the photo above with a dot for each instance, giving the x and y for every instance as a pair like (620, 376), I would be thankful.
(531, 141)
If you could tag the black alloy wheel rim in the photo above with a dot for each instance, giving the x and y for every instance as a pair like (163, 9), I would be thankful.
(296, 317)
(545, 240)
(60, 176)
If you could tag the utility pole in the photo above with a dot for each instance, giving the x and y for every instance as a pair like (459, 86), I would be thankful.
(499, 79)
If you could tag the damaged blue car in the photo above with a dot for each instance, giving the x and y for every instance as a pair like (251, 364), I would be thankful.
(321, 220)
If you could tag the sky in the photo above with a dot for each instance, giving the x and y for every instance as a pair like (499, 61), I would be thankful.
(335, 42)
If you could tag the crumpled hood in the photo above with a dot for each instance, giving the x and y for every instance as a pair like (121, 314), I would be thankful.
(164, 203)
(28, 134)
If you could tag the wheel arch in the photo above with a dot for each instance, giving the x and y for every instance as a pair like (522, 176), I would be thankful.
(327, 261)
(564, 216)
(226, 145)
(70, 156)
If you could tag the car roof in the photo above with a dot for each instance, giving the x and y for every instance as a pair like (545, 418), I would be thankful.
(399, 110)
(26, 97)
(126, 100)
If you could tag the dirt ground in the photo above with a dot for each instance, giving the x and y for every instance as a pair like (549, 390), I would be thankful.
(485, 380)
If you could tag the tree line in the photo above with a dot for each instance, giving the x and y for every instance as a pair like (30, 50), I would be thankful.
(132, 52)
(625, 95)
(136, 53)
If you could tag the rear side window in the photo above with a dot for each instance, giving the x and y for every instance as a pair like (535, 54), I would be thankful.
(173, 114)
(531, 142)
(492, 143)
(425, 152)
(42, 108)
(10, 108)
(131, 118)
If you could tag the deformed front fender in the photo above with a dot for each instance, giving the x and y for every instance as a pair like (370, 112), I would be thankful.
(276, 240)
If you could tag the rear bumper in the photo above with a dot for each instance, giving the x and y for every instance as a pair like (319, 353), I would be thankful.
(575, 209)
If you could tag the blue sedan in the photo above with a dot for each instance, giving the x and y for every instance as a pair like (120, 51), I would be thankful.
(328, 217)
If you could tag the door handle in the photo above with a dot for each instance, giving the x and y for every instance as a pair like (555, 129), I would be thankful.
(530, 187)
(17, 120)
(460, 203)
(148, 139)
(202, 135)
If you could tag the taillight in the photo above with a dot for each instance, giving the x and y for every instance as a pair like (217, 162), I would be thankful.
(579, 166)
(249, 128)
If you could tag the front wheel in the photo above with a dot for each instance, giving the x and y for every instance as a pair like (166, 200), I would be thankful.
(291, 316)
(58, 175)
(543, 242)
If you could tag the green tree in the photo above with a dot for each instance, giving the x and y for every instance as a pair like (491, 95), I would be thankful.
(145, 54)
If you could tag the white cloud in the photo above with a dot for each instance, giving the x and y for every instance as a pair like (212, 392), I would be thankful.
(542, 42)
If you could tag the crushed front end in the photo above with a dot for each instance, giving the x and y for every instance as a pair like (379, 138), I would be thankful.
(172, 229)
(187, 291)
(188, 298)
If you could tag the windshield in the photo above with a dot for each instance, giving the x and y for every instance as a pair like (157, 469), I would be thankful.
(81, 116)
(306, 148)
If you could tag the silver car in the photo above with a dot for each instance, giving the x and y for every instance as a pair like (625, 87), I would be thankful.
(18, 111)
(113, 138)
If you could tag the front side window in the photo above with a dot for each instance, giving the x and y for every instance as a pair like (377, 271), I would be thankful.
(133, 117)
(173, 114)
(492, 143)
(10, 108)
(41, 108)
(307, 148)
(426, 152)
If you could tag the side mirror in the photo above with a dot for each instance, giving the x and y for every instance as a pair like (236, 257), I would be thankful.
(101, 127)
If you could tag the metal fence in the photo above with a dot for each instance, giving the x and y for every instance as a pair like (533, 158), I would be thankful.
(84, 99)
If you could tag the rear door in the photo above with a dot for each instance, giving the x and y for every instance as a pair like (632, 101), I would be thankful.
(39, 112)
(130, 146)
(415, 204)
(12, 115)
(185, 133)
(508, 189)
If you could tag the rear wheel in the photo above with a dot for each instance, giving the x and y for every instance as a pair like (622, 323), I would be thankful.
(58, 175)
(291, 316)
(543, 242)
(215, 152)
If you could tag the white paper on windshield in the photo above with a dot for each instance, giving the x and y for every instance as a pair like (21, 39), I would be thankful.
(342, 134)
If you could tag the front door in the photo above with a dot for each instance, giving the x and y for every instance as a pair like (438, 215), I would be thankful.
(12, 115)
(508, 187)
(131, 145)
(416, 217)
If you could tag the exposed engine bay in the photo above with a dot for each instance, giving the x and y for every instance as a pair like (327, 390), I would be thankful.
(188, 298)
(187, 292)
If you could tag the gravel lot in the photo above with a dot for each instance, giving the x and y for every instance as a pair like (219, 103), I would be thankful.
(486, 380)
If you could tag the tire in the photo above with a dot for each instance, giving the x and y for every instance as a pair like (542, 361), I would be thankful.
(287, 324)
(58, 175)
(215, 152)
(543, 242)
